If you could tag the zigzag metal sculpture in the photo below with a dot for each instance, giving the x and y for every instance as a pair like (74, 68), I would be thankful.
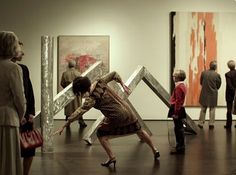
(140, 73)
(95, 71)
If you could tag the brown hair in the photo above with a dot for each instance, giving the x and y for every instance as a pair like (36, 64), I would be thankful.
(179, 75)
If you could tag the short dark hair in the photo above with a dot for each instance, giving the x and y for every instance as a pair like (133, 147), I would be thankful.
(179, 74)
(231, 64)
(213, 65)
(81, 85)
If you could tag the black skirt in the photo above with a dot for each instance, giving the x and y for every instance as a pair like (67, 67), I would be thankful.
(182, 113)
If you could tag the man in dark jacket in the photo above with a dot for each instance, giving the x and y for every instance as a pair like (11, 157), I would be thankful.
(211, 82)
(230, 78)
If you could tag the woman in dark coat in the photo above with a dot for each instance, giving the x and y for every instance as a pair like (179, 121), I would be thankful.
(119, 117)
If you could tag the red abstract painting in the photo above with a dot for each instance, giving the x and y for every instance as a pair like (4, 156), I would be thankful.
(84, 50)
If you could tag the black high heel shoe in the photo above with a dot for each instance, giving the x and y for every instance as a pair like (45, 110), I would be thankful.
(107, 163)
(156, 155)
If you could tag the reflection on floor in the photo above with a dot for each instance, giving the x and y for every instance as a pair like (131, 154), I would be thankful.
(211, 152)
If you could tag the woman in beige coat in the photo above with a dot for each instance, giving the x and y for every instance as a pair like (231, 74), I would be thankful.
(12, 105)
(67, 77)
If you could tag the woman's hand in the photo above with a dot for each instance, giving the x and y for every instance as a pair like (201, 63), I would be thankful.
(59, 131)
(23, 121)
(126, 89)
(175, 116)
(31, 118)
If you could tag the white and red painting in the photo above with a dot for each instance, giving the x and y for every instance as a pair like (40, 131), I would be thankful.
(197, 38)
(85, 50)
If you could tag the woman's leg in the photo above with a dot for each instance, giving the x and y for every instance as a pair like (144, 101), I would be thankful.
(106, 145)
(27, 161)
(145, 137)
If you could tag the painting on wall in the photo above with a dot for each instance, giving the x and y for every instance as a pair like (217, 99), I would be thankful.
(85, 50)
(197, 38)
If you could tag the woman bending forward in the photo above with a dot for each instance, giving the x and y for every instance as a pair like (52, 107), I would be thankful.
(119, 118)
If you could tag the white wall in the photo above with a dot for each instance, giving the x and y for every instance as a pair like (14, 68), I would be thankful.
(139, 35)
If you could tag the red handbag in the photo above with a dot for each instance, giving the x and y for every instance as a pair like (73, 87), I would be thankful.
(31, 139)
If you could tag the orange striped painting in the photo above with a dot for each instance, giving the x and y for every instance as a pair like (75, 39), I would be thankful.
(195, 45)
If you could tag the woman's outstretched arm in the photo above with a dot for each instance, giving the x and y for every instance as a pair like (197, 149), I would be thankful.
(86, 106)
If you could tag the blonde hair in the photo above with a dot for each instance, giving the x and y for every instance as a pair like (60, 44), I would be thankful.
(9, 45)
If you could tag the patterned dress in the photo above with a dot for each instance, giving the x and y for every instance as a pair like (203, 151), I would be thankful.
(119, 117)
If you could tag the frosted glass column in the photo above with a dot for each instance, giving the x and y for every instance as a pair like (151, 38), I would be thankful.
(47, 93)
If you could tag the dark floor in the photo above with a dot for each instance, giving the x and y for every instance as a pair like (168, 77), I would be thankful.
(211, 152)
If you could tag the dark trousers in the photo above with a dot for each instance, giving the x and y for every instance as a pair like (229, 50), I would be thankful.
(179, 134)
(229, 113)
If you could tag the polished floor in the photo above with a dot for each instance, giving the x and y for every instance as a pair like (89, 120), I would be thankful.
(211, 152)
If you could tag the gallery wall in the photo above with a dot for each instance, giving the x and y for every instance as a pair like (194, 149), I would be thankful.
(138, 30)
